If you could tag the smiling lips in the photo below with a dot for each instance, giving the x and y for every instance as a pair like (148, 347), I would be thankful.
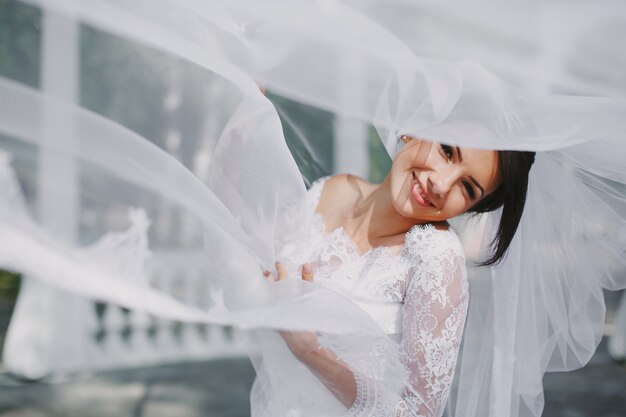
(419, 194)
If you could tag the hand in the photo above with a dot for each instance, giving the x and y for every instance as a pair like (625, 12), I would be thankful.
(301, 344)
(306, 273)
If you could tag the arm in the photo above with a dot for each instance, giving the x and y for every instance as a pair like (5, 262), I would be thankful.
(323, 363)
(434, 314)
(330, 370)
(434, 311)
(435, 308)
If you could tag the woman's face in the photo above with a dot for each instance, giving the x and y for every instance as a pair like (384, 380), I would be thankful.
(435, 182)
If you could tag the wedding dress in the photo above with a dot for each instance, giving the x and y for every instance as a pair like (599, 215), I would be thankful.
(481, 80)
(418, 295)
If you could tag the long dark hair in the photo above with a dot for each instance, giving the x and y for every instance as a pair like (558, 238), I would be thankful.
(511, 196)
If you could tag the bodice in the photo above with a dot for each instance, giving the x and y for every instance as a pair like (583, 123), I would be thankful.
(375, 280)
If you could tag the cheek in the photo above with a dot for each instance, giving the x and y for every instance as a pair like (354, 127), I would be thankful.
(399, 180)
(415, 155)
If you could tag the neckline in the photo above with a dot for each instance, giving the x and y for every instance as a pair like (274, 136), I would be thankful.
(396, 250)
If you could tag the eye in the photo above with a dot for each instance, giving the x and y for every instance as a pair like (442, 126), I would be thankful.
(447, 151)
(469, 189)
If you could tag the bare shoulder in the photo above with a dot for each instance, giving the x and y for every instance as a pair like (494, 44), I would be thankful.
(339, 195)
(344, 187)
(345, 183)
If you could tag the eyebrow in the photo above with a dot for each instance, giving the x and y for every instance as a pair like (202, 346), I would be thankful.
(482, 190)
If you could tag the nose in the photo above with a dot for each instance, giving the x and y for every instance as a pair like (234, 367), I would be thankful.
(441, 181)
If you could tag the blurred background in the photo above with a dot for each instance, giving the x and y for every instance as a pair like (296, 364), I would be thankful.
(118, 363)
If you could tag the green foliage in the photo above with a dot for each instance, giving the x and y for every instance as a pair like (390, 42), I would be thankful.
(309, 135)
(379, 160)
(20, 38)
(9, 285)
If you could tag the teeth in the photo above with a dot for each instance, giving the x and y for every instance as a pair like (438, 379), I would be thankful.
(419, 188)
(422, 194)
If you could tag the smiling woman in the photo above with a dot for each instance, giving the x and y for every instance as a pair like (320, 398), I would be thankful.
(444, 180)
(447, 181)
(394, 240)
(412, 284)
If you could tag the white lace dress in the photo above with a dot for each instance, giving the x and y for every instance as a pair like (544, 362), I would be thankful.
(417, 294)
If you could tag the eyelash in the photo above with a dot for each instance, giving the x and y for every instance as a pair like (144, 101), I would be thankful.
(469, 189)
(448, 153)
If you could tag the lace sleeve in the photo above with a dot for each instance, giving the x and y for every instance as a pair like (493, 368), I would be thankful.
(435, 307)
(434, 311)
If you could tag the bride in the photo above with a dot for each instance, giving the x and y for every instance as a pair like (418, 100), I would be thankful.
(391, 243)
(371, 324)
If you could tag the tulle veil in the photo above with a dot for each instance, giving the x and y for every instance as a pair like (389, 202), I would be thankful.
(472, 75)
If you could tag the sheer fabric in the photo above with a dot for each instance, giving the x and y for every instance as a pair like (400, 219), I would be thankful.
(418, 295)
(372, 62)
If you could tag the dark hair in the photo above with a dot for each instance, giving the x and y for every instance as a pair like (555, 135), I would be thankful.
(514, 167)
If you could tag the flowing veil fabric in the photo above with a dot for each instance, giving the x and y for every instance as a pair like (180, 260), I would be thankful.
(421, 68)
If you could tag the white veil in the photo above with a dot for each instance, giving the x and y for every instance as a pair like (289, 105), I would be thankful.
(474, 76)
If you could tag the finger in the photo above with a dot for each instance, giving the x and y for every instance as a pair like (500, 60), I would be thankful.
(269, 276)
(282, 271)
(307, 272)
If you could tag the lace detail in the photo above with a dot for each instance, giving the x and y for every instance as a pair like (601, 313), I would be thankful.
(379, 273)
(435, 308)
(120, 254)
(425, 278)
(124, 254)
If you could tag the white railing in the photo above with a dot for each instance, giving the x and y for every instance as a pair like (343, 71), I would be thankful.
(42, 342)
